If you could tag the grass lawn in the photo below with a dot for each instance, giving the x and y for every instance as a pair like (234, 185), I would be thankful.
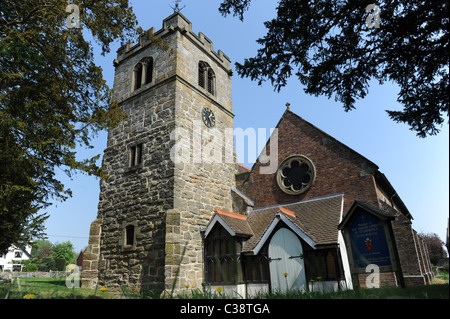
(442, 278)
(440, 291)
(55, 288)
(48, 288)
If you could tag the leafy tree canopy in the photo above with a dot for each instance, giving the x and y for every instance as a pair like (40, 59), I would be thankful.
(435, 247)
(47, 256)
(52, 98)
(64, 251)
(333, 52)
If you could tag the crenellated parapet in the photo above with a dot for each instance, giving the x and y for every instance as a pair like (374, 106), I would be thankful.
(176, 23)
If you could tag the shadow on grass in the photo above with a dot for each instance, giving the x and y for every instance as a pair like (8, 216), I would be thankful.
(55, 282)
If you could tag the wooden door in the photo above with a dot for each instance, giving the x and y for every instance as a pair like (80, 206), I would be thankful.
(287, 269)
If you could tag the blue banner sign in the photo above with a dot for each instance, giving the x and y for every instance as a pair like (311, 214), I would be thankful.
(368, 241)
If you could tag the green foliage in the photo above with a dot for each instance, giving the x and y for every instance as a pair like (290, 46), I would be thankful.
(329, 47)
(52, 98)
(30, 267)
(435, 246)
(64, 251)
(47, 264)
(41, 249)
(48, 256)
(60, 264)
(41, 255)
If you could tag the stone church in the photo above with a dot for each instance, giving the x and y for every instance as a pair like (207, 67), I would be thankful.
(172, 216)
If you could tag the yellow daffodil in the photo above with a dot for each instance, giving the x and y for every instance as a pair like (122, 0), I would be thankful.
(219, 289)
(285, 274)
(29, 296)
(103, 289)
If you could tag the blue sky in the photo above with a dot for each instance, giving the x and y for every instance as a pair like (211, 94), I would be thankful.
(417, 168)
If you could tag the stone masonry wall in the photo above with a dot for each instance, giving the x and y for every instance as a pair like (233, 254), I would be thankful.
(138, 195)
(408, 251)
(202, 181)
(89, 274)
(167, 202)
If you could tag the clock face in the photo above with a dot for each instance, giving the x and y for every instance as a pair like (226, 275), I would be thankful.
(208, 117)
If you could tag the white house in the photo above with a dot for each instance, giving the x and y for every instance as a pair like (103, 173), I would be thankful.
(14, 253)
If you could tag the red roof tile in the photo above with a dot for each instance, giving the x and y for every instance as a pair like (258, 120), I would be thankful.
(286, 211)
(230, 214)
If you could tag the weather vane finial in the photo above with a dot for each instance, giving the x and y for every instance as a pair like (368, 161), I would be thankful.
(177, 6)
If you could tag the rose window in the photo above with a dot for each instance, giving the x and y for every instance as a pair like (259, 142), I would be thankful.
(295, 175)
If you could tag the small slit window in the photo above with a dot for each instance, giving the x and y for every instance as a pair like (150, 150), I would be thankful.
(129, 235)
(135, 155)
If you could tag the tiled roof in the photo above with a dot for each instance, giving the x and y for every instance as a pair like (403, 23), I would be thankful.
(230, 214)
(237, 222)
(286, 211)
(317, 218)
(242, 168)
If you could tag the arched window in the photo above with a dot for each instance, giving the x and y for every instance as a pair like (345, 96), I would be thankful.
(143, 73)
(138, 76)
(206, 77)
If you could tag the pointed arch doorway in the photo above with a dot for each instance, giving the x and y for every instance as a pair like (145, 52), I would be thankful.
(287, 268)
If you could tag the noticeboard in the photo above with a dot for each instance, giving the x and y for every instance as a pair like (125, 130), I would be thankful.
(368, 241)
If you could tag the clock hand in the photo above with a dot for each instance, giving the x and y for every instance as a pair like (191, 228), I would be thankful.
(207, 120)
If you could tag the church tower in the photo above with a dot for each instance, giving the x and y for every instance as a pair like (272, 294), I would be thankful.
(169, 164)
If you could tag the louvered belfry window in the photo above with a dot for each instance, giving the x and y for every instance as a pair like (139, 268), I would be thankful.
(201, 76)
(210, 81)
(206, 77)
(143, 73)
